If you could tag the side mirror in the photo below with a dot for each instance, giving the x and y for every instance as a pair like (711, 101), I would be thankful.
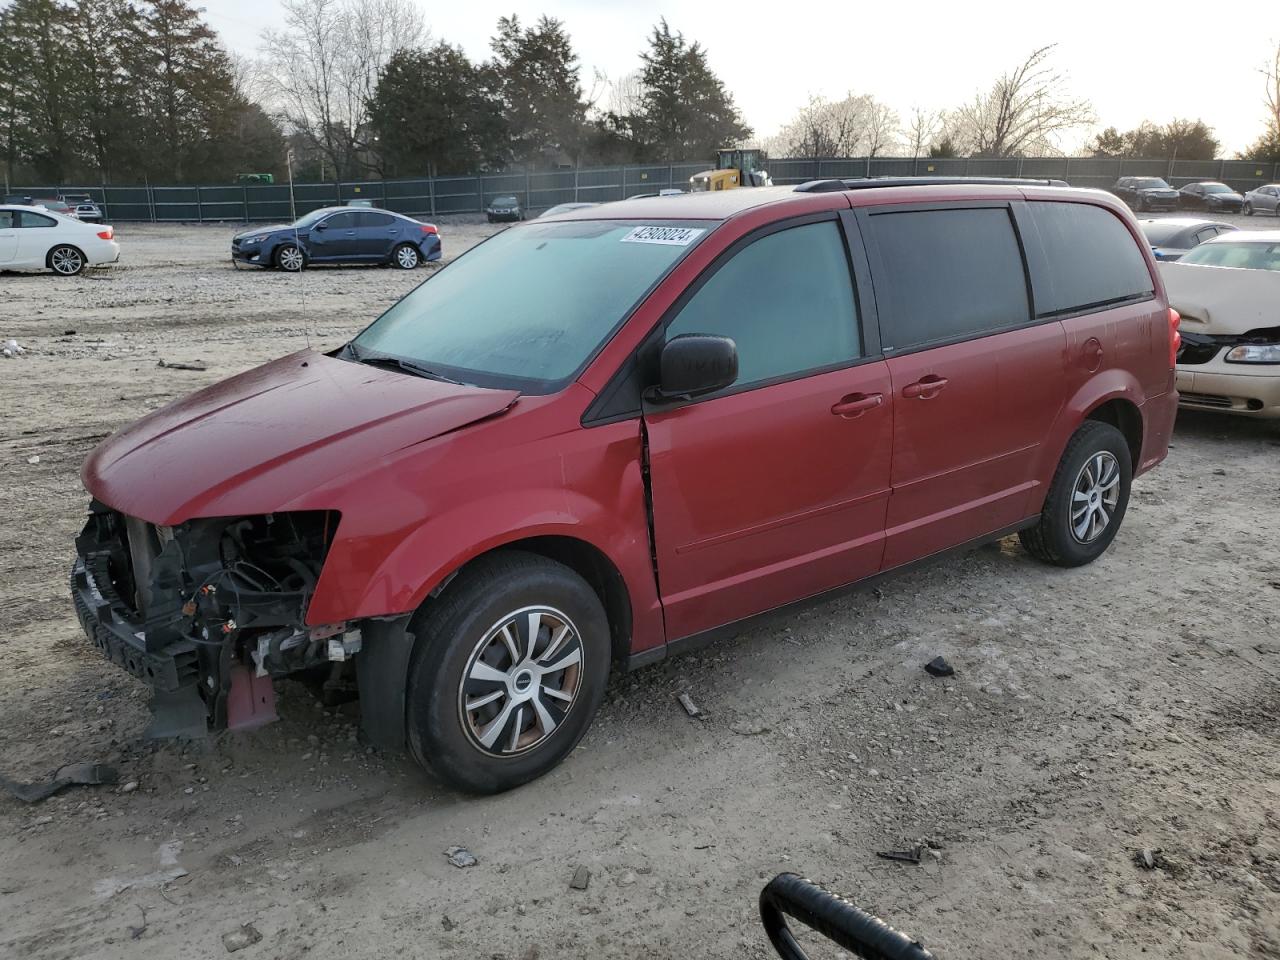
(694, 364)
(322, 226)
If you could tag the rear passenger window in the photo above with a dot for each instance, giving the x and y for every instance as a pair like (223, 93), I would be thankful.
(948, 274)
(1092, 259)
(786, 300)
(374, 219)
(28, 219)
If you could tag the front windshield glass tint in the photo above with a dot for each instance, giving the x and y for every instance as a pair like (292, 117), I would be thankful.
(528, 307)
(1217, 188)
(1151, 183)
(1246, 256)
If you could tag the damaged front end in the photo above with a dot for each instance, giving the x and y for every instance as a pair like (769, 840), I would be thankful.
(207, 611)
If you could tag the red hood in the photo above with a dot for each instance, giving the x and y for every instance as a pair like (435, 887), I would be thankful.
(258, 442)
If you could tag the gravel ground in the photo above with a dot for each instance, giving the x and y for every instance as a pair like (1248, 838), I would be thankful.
(1133, 704)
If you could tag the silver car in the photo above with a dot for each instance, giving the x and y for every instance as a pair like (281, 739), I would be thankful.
(1263, 200)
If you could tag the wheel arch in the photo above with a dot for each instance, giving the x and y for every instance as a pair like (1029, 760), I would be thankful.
(1112, 396)
(1123, 414)
(586, 560)
(48, 256)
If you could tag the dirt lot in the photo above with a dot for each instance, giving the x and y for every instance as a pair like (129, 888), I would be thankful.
(1094, 713)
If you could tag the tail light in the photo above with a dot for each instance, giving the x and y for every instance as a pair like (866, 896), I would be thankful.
(429, 228)
(106, 233)
(1175, 338)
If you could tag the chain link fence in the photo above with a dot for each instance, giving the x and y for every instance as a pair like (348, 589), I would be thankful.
(434, 196)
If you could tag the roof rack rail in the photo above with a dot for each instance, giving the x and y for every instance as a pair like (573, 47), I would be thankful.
(865, 183)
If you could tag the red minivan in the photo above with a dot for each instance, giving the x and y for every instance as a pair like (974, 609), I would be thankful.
(599, 438)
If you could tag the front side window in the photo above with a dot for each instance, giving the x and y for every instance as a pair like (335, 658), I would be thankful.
(28, 219)
(949, 274)
(529, 306)
(341, 221)
(786, 300)
(1093, 260)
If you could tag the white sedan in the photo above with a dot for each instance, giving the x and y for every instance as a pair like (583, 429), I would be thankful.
(33, 238)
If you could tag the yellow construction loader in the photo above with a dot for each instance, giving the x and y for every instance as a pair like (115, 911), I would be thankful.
(734, 168)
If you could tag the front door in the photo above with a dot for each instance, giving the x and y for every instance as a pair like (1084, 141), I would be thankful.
(774, 489)
(8, 236)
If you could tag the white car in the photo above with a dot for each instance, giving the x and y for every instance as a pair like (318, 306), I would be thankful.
(34, 238)
(1228, 293)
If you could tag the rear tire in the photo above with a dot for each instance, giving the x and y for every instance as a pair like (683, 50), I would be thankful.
(1247, 210)
(485, 713)
(66, 260)
(1087, 499)
(406, 256)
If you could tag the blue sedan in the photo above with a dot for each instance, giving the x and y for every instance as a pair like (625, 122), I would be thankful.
(339, 235)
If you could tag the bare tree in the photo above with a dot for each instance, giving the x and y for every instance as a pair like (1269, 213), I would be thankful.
(858, 125)
(1024, 112)
(923, 127)
(1272, 96)
(326, 63)
(882, 128)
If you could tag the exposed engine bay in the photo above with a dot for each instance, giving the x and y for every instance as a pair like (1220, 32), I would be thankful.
(202, 609)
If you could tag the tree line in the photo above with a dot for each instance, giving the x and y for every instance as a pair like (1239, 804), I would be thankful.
(123, 90)
(131, 90)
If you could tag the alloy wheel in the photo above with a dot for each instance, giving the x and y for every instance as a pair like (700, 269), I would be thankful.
(407, 257)
(521, 681)
(291, 259)
(66, 261)
(1094, 496)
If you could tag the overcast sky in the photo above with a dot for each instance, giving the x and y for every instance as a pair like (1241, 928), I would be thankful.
(1201, 62)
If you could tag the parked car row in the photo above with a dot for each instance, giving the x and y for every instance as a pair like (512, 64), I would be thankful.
(77, 205)
(1153, 193)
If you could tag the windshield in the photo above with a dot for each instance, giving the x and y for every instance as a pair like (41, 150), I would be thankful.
(1151, 183)
(1217, 188)
(506, 201)
(1246, 256)
(528, 307)
(312, 217)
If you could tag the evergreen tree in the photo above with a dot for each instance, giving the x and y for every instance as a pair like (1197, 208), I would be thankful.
(536, 75)
(434, 111)
(686, 112)
(39, 86)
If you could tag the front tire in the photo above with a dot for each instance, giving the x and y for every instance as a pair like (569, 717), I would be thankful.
(1087, 499)
(1247, 210)
(290, 258)
(509, 668)
(406, 256)
(66, 260)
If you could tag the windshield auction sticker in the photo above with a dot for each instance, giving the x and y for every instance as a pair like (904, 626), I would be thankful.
(668, 236)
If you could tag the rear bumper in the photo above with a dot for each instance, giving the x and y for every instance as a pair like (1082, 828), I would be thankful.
(1158, 415)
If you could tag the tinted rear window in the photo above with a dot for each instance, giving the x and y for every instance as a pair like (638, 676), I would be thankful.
(1162, 231)
(1092, 258)
(948, 274)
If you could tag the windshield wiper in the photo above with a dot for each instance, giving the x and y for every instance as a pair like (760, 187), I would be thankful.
(399, 363)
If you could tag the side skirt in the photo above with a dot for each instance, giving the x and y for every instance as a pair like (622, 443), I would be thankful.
(699, 640)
